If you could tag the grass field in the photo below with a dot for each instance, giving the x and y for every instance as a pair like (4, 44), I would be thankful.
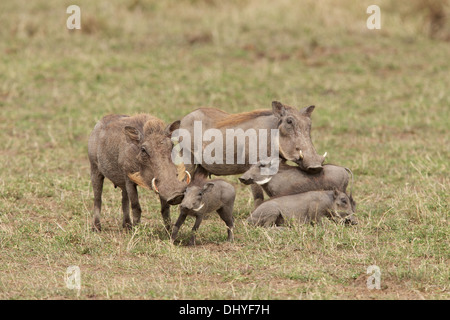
(382, 109)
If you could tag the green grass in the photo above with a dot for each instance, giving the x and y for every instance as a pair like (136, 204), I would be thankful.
(382, 109)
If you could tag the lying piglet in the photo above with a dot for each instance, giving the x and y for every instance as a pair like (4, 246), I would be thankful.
(205, 197)
(305, 207)
(279, 179)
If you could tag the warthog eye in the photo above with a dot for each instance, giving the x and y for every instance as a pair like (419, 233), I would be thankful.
(344, 201)
(143, 150)
(290, 120)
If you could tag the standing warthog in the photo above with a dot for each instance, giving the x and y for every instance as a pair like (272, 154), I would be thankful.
(294, 137)
(288, 180)
(204, 197)
(134, 151)
(305, 207)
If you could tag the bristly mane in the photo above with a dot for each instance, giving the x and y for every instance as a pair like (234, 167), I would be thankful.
(234, 119)
(153, 125)
(144, 122)
(199, 177)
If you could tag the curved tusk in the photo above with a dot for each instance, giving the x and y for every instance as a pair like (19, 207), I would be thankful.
(325, 154)
(154, 185)
(188, 180)
(301, 155)
(201, 206)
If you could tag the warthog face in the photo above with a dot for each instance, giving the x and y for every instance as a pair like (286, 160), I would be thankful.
(295, 136)
(193, 197)
(343, 209)
(156, 168)
(254, 174)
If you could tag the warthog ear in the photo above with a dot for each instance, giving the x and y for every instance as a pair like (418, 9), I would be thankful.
(278, 109)
(133, 135)
(208, 187)
(352, 202)
(307, 111)
(172, 127)
(335, 193)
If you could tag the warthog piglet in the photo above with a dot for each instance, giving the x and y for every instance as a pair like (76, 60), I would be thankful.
(205, 197)
(279, 179)
(305, 207)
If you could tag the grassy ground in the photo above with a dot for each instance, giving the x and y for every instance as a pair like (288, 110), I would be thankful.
(382, 109)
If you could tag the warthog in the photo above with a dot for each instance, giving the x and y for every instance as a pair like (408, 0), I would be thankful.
(204, 197)
(305, 207)
(288, 180)
(294, 129)
(132, 151)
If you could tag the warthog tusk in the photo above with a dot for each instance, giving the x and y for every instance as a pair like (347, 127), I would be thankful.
(325, 154)
(201, 206)
(188, 180)
(300, 153)
(264, 181)
(154, 185)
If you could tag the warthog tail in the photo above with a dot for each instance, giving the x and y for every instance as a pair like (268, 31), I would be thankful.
(351, 174)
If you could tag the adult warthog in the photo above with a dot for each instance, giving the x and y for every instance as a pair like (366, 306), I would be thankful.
(133, 151)
(292, 129)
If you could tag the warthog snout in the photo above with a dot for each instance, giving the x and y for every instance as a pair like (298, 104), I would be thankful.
(186, 206)
(351, 219)
(246, 180)
(313, 166)
(165, 191)
(175, 199)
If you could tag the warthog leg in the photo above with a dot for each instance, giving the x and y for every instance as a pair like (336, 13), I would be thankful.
(97, 185)
(165, 213)
(258, 195)
(126, 210)
(198, 220)
(269, 216)
(226, 213)
(176, 227)
(134, 199)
